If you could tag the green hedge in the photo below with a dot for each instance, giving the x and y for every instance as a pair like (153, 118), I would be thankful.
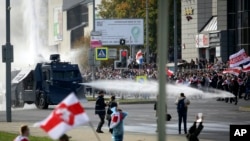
(127, 101)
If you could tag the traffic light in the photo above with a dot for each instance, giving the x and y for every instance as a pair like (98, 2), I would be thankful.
(122, 62)
(124, 58)
(122, 42)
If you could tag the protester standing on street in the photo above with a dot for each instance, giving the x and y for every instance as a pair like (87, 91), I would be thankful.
(24, 134)
(100, 110)
(112, 103)
(247, 85)
(182, 107)
(117, 124)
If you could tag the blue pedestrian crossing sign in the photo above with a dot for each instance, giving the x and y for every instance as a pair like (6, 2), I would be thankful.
(101, 53)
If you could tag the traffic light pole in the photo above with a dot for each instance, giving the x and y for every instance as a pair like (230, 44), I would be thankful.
(130, 50)
(147, 44)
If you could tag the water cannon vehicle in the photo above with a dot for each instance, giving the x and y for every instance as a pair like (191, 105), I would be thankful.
(46, 84)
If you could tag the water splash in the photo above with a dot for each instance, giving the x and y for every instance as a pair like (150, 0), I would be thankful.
(28, 35)
(2, 98)
(151, 87)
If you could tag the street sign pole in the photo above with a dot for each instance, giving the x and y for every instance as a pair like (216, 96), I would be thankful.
(7, 57)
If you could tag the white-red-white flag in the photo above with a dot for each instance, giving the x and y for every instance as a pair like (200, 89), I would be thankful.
(246, 68)
(236, 71)
(115, 119)
(238, 58)
(139, 57)
(169, 72)
(68, 114)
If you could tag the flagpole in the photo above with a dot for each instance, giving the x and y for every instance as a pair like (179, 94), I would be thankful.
(92, 127)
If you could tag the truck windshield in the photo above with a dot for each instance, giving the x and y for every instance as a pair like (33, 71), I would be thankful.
(65, 74)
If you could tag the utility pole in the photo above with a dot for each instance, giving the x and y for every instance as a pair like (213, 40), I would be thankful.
(175, 37)
(147, 46)
(93, 50)
(162, 46)
(7, 57)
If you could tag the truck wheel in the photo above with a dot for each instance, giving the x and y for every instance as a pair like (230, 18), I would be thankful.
(41, 103)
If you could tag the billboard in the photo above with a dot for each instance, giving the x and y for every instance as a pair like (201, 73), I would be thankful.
(132, 30)
(202, 40)
(58, 24)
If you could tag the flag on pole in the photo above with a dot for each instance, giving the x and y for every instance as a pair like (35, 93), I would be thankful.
(238, 58)
(246, 68)
(139, 57)
(169, 72)
(67, 115)
(236, 71)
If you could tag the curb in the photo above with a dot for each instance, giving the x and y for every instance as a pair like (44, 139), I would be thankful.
(244, 108)
(137, 102)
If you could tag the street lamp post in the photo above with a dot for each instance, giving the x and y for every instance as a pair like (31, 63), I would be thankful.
(162, 43)
(175, 37)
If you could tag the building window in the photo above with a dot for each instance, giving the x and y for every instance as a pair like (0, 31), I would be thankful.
(76, 16)
(231, 21)
(243, 19)
(76, 34)
(231, 6)
(243, 5)
(243, 36)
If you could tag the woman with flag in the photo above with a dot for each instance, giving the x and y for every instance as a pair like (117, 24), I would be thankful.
(117, 124)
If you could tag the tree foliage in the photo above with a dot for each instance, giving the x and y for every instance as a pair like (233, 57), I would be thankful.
(81, 47)
(137, 9)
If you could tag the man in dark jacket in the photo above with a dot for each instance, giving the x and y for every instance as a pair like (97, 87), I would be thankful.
(100, 110)
(182, 107)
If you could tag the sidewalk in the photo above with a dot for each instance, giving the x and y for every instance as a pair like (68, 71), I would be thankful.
(86, 133)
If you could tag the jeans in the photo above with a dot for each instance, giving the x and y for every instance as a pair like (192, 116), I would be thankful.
(117, 138)
(182, 116)
(247, 93)
(102, 117)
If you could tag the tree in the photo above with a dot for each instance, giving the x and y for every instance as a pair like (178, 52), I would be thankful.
(80, 51)
(137, 9)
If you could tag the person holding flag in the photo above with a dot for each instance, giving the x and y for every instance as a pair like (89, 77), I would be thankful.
(139, 57)
(66, 115)
(117, 124)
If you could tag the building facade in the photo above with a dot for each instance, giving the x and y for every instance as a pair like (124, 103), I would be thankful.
(214, 28)
(68, 20)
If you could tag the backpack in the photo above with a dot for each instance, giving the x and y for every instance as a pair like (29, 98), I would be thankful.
(181, 106)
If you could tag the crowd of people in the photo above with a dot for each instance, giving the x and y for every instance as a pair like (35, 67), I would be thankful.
(211, 76)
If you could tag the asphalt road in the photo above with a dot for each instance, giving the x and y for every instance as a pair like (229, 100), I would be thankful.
(217, 117)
